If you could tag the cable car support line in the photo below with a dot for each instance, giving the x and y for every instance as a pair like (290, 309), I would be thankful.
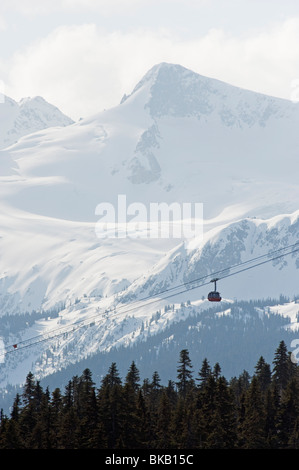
(188, 286)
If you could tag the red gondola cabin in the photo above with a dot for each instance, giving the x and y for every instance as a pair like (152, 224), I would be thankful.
(214, 296)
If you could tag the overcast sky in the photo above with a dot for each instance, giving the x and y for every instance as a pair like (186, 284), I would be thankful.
(84, 55)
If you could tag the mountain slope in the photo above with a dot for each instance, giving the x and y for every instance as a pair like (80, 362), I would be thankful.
(178, 137)
(231, 251)
(149, 306)
(27, 116)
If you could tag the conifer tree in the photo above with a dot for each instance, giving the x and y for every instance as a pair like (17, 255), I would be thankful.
(10, 437)
(68, 399)
(154, 392)
(272, 405)
(263, 374)
(171, 392)
(88, 418)
(204, 372)
(38, 396)
(163, 425)
(144, 423)
(206, 405)
(69, 431)
(282, 367)
(184, 373)
(112, 377)
(133, 377)
(29, 389)
(109, 408)
(155, 384)
(288, 413)
(56, 411)
(15, 414)
(223, 418)
(146, 388)
(216, 370)
(28, 417)
(41, 434)
(253, 432)
(130, 435)
(178, 424)
(244, 381)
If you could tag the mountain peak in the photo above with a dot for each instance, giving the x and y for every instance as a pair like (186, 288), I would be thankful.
(173, 90)
(34, 99)
(29, 115)
(158, 73)
(162, 69)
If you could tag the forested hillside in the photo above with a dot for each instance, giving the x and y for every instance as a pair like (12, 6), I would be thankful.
(200, 410)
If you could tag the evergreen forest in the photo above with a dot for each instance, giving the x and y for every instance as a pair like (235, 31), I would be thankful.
(200, 410)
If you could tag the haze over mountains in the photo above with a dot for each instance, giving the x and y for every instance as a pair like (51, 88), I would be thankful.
(178, 137)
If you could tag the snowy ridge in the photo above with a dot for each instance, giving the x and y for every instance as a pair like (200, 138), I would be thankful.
(94, 323)
(161, 144)
(27, 116)
(177, 91)
(46, 262)
(226, 247)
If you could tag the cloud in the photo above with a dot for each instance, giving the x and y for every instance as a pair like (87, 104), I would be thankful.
(83, 69)
(3, 24)
(36, 7)
(266, 62)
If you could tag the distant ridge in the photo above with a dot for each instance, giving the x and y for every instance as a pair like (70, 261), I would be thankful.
(18, 119)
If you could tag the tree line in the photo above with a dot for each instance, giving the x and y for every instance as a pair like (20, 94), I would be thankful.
(197, 411)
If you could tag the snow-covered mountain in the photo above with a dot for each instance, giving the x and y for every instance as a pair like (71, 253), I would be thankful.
(169, 141)
(26, 116)
(226, 250)
(132, 313)
(178, 137)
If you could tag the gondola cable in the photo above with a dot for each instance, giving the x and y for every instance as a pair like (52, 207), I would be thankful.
(74, 326)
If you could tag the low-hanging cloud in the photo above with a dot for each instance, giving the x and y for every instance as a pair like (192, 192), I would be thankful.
(83, 69)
